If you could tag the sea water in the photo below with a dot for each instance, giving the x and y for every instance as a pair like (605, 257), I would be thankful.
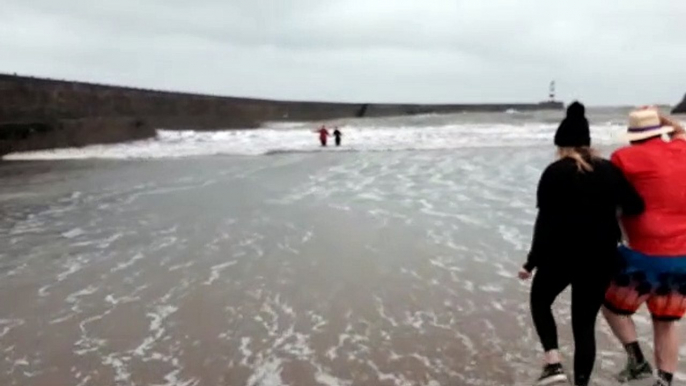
(259, 258)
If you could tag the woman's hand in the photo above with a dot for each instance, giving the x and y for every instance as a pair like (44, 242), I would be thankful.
(524, 274)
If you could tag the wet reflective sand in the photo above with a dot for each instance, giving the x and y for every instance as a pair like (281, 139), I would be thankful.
(310, 269)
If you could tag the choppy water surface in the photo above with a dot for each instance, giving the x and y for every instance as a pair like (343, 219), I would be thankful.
(361, 268)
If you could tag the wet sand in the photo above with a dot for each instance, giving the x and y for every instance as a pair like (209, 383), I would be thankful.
(306, 269)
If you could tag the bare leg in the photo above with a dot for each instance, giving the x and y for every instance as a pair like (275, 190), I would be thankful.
(666, 345)
(551, 357)
(622, 326)
(624, 329)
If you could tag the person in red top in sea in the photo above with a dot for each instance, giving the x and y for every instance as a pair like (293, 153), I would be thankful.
(654, 255)
(323, 135)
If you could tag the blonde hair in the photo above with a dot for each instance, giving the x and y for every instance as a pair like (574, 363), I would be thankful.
(582, 155)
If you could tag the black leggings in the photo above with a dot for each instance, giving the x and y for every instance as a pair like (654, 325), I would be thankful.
(588, 293)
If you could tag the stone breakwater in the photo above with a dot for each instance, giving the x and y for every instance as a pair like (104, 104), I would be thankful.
(38, 113)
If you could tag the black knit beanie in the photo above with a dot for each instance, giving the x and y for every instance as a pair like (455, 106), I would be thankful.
(574, 130)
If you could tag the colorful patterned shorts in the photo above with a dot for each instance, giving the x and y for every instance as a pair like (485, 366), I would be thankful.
(659, 281)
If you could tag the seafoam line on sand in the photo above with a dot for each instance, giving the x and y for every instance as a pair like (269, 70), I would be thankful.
(215, 271)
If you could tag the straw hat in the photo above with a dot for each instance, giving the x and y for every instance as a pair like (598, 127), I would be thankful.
(644, 124)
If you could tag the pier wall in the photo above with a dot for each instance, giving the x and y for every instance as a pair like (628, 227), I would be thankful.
(39, 113)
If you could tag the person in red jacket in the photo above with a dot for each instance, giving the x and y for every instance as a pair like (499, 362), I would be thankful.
(654, 254)
(323, 135)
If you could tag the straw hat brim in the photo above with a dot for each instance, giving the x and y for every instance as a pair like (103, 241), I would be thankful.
(648, 134)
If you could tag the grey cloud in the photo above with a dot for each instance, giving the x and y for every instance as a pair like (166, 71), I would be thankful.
(611, 52)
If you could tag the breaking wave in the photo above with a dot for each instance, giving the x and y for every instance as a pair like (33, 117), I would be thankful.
(296, 139)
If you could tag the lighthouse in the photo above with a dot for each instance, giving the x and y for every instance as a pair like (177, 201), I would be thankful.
(551, 103)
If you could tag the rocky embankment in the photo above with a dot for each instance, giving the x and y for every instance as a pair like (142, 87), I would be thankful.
(681, 107)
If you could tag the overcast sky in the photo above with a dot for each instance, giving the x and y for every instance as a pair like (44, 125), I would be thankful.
(601, 51)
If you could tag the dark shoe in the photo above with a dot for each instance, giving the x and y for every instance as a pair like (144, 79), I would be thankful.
(552, 374)
(660, 382)
(635, 371)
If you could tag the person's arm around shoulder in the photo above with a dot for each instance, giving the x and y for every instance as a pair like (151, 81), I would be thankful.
(629, 200)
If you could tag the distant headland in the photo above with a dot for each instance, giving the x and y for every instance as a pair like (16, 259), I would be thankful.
(681, 107)
(40, 113)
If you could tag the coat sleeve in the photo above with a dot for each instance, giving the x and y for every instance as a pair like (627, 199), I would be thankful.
(629, 200)
(540, 241)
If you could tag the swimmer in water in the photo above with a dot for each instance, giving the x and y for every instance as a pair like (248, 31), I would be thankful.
(323, 135)
(337, 133)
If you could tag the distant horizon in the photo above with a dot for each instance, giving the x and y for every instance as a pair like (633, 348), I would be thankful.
(270, 99)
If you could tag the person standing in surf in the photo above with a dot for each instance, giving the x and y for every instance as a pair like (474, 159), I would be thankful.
(337, 134)
(575, 243)
(655, 251)
(323, 135)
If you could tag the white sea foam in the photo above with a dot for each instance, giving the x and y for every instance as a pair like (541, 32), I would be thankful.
(245, 350)
(8, 324)
(329, 380)
(275, 140)
(122, 375)
(73, 298)
(124, 299)
(216, 271)
(172, 378)
(128, 263)
(156, 328)
(267, 373)
(72, 266)
(76, 232)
